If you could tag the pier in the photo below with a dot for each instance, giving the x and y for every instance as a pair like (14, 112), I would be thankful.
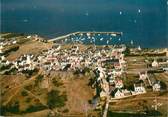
(84, 33)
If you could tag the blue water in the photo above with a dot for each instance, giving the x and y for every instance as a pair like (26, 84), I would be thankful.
(143, 21)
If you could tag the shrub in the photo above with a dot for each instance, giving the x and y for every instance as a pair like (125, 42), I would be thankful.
(39, 78)
(13, 108)
(55, 99)
(4, 67)
(127, 51)
(24, 93)
(65, 110)
(11, 35)
(22, 41)
(28, 100)
(11, 48)
(28, 87)
(57, 83)
(29, 73)
(34, 108)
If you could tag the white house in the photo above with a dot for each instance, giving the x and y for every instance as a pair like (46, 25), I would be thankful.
(139, 48)
(14, 42)
(156, 86)
(3, 58)
(28, 37)
(155, 63)
(119, 94)
(139, 89)
(7, 62)
(1, 48)
(28, 61)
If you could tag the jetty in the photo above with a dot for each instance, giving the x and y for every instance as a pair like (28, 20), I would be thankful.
(68, 36)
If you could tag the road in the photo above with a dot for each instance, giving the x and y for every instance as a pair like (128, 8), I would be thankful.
(106, 106)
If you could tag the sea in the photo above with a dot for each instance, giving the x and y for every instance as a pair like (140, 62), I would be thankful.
(144, 22)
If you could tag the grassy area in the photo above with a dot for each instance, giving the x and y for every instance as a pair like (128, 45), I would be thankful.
(117, 114)
(11, 35)
(140, 104)
(11, 48)
(30, 47)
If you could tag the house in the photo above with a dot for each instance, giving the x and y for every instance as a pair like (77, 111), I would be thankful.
(14, 42)
(1, 52)
(118, 94)
(111, 80)
(165, 68)
(139, 48)
(155, 63)
(166, 51)
(7, 62)
(75, 49)
(138, 88)
(117, 73)
(28, 59)
(119, 84)
(156, 86)
(1, 49)
(154, 83)
(28, 37)
(3, 58)
(143, 75)
(151, 79)
(117, 65)
(122, 63)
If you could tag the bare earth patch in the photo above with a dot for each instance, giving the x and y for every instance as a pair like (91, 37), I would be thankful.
(78, 93)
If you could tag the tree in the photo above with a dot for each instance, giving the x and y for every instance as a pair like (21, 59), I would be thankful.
(39, 78)
(55, 99)
(127, 51)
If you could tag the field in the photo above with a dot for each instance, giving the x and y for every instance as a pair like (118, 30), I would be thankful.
(24, 94)
(138, 104)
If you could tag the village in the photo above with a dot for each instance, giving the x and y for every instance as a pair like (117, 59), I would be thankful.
(109, 64)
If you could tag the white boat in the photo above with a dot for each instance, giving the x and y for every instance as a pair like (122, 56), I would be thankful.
(114, 35)
(107, 41)
(83, 39)
(132, 42)
(101, 39)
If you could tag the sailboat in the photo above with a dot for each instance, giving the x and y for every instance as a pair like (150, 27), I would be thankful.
(107, 41)
(132, 42)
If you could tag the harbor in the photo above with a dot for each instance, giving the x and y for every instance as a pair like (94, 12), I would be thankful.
(83, 36)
